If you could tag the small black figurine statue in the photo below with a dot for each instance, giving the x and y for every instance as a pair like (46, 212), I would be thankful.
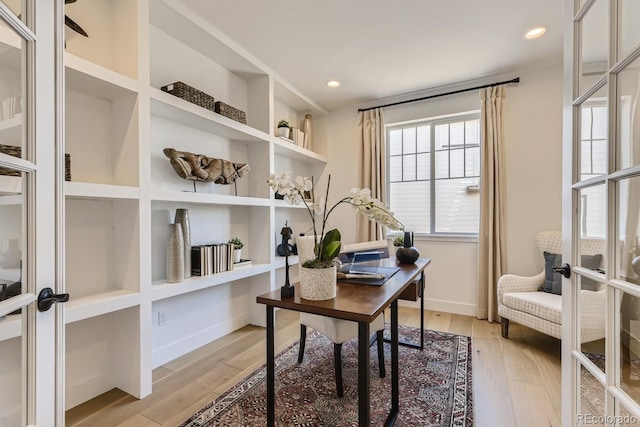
(284, 247)
(286, 291)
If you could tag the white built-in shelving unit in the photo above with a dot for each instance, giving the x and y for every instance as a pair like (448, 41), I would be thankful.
(123, 192)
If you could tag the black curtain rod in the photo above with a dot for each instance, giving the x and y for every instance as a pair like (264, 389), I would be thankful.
(516, 80)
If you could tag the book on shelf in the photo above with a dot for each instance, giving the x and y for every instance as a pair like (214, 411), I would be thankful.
(212, 258)
(197, 260)
(242, 263)
(297, 136)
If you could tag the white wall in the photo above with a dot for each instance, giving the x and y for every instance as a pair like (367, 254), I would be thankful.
(533, 119)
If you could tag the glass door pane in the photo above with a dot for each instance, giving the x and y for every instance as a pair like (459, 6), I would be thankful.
(11, 324)
(629, 31)
(11, 92)
(628, 210)
(594, 43)
(594, 129)
(628, 123)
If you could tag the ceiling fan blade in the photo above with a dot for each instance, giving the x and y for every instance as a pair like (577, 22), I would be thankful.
(75, 27)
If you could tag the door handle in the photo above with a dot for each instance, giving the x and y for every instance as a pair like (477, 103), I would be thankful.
(564, 269)
(46, 298)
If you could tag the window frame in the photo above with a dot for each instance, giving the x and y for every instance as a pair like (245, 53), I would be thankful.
(432, 122)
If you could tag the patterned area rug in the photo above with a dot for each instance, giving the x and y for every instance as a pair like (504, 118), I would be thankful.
(435, 387)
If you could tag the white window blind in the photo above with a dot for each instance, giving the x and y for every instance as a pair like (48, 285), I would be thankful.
(433, 174)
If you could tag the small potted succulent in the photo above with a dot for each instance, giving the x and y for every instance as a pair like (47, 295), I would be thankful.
(397, 242)
(237, 248)
(283, 128)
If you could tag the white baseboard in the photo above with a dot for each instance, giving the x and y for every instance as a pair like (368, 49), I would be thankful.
(191, 342)
(443, 306)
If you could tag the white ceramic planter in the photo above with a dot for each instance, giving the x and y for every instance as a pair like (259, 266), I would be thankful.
(284, 132)
(237, 255)
(318, 283)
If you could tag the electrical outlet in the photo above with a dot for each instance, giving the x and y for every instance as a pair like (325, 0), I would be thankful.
(162, 318)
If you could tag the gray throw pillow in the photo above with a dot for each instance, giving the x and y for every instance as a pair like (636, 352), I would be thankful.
(553, 280)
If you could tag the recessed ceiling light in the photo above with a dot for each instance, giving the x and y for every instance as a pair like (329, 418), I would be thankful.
(536, 32)
(333, 83)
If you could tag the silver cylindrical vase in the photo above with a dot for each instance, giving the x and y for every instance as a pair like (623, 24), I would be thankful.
(306, 128)
(182, 218)
(175, 254)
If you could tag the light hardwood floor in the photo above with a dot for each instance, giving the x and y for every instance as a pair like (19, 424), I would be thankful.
(516, 381)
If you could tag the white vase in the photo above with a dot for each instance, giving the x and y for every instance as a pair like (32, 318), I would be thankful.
(318, 283)
(306, 128)
(236, 255)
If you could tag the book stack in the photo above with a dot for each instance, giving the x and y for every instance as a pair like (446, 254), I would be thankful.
(211, 259)
(297, 136)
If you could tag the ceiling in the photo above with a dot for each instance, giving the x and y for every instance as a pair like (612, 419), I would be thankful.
(383, 48)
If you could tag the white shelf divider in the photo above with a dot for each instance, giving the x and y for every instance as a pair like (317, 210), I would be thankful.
(87, 190)
(90, 78)
(91, 306)
(205, 198)
(162, 290)
(285, 148)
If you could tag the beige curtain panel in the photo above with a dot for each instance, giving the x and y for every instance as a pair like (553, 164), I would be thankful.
(491, 243)
(372, 169)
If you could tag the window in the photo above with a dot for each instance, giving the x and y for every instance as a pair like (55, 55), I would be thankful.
(434, 174)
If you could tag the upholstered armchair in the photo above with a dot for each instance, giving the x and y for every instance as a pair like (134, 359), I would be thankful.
(520, 298)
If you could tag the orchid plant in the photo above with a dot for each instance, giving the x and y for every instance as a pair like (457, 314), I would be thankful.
(359, 198)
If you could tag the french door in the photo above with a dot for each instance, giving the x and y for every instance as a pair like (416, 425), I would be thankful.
(601, 203)
(30, 380)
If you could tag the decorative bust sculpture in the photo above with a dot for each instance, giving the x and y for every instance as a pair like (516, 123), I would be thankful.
(198, 167)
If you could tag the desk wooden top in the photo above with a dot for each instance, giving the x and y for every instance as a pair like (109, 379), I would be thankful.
(357, 302)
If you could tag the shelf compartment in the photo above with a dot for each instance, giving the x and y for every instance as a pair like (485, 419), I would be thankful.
(102, 353)
(178, 36)
(162, 289)
(205, 198)
(10, 327)
(112, 26)
(96, 305)
(102, 135)
(11, 185)
(176, 109)
(85, 190)
(102, 250)
(11, 131)
(95, 80)
(285, 148)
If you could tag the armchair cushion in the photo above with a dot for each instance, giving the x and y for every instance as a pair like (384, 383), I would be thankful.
(539, 304)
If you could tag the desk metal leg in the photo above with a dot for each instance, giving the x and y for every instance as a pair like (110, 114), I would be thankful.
(409, 343)
(271, 394)
(422, 309)
(363, 374)
(395, 372)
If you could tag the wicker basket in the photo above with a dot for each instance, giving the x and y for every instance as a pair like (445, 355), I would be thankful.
(17, 152)
(231, 112)
(190, 94)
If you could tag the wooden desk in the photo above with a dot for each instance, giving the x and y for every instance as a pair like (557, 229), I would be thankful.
(359, 303)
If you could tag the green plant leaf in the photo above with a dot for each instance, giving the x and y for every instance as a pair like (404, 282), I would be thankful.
(331, 245)
(331, 251)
